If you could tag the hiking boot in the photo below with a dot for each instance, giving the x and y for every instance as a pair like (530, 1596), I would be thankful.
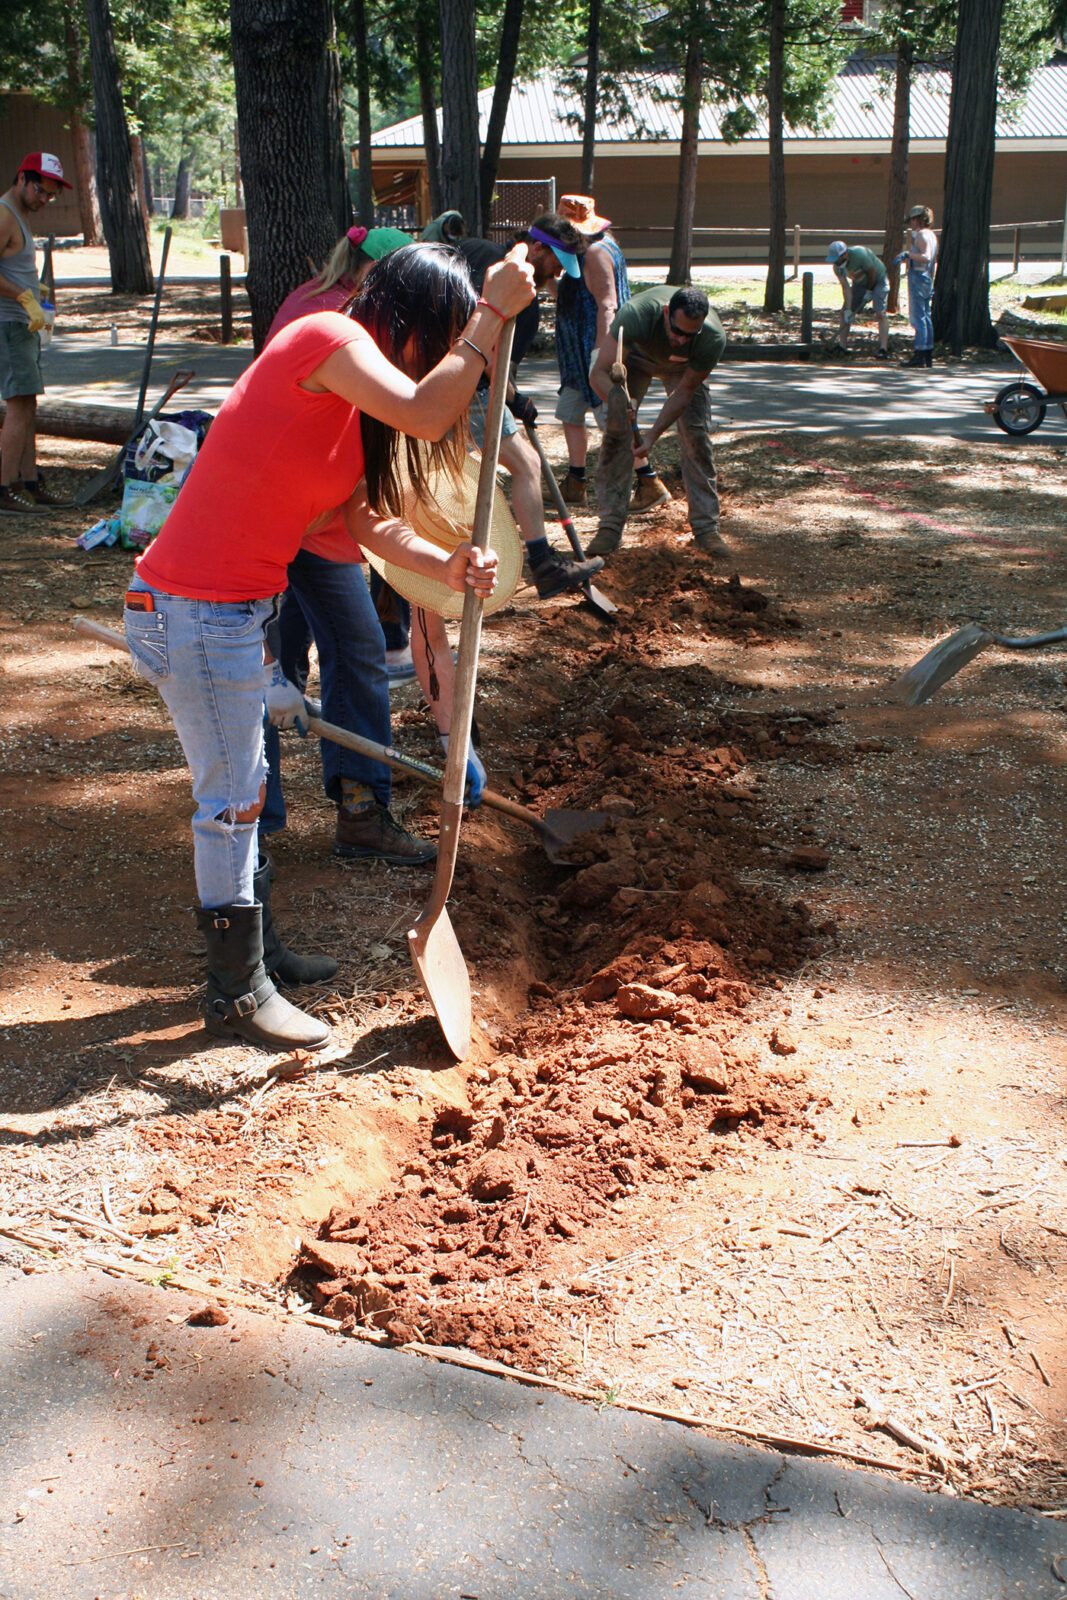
(557, 574)
(711, 542)
(604, 542)
(241, 1000)
(283, 964)
(372, 833)
(573, 490)
(13, 497)
(649, 493)
(37, 491)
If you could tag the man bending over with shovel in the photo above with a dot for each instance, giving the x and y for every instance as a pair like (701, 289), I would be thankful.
(673, 335)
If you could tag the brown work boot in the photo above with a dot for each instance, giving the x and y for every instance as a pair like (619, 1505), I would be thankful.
(557, 574)
(711, 542)
(13, 497)
(573, 490)
(649, 493)
(36, 490)
(604, 542)
(372, 833)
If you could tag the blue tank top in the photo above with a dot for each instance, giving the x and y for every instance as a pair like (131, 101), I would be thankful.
(576, 323)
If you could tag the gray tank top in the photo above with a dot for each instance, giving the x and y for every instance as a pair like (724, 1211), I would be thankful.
(21, 270)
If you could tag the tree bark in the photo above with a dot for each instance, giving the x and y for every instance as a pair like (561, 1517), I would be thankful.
(507, 55)
(144, 172)
(961, 288)
(180, 209)
(123, 219)
(681, 265)
(366, 171)
(460, 142)
(334, 135)
(280, 75)
(238, 194)
(897, 197)
(78, 98)
(774, 293)
(592, 84)
(424, 66)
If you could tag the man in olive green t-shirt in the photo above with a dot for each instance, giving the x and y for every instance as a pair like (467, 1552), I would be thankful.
(862, 276)
(669, 334)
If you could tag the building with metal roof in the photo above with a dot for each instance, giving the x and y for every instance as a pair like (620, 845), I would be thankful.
(836, 174)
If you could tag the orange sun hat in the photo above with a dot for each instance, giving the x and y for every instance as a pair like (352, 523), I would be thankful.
(581, 210)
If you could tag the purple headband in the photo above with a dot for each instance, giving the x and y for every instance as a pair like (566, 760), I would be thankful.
(356, 234)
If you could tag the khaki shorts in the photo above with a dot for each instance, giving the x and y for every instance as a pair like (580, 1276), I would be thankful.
(20, 361)
(571, 406)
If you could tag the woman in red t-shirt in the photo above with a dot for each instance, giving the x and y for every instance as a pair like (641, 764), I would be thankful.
(316, 422)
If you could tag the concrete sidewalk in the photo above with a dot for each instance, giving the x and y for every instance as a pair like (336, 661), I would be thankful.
(145, 1457)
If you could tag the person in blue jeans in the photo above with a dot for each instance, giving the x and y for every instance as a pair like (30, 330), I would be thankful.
(920, 257)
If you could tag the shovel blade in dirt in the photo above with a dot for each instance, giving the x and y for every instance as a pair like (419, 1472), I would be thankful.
(561, 828)
(940, 664)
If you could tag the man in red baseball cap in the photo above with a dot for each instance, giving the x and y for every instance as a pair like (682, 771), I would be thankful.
(37, 182)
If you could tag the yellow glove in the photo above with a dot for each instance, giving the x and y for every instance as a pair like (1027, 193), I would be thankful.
(32, 310)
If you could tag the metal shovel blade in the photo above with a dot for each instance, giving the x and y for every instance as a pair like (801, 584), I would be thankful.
(940, 664)
(561, 828)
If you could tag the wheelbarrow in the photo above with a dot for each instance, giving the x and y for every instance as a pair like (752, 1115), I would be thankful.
(1020, 407)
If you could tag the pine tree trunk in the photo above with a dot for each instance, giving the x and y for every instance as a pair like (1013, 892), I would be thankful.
(592, 84)
(961, 288)
(685, 203)
(146, 185)
(507, 55)
(460, 143)
(366, 171)
(238, 188)
(897, 197)
(774, 293)
(180, 209)
(78, 98)
(334, 137)
(123, 219)
(280, 75)
(424, 66)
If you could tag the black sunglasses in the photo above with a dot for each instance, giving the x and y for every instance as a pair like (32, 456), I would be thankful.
(680, 333)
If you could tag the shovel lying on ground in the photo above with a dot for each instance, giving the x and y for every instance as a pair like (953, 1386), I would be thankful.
(597, 599)
(556, 829)
(941, 663)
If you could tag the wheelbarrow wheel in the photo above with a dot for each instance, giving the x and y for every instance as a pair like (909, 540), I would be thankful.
(1020, 408)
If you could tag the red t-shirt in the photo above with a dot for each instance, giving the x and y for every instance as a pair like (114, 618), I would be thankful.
(303, 303)
(275, 458)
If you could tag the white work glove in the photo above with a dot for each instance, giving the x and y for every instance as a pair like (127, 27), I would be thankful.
(284, 702)
(29, 304)
(477, 777)
(898, 260)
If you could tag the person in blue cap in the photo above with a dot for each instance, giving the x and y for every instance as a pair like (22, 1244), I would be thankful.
(862, 277)
(553, 246)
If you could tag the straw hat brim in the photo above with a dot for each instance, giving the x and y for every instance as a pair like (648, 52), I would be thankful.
(446, 520)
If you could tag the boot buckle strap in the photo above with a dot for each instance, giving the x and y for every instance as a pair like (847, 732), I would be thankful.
(245, 1005)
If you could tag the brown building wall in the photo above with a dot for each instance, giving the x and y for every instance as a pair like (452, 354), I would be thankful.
(26, 125)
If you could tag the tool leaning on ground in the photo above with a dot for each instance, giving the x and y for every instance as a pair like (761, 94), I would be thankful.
(941, 663)
(596, 597)
(556, 829)
(107, 475)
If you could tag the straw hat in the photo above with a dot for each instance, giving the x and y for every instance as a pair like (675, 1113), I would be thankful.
(580, 209)
(446, 521)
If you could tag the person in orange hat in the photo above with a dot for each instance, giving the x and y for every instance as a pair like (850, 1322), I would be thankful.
(585, 309)
(37, 182)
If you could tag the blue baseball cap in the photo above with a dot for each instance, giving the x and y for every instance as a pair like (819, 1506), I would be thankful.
(567, 259)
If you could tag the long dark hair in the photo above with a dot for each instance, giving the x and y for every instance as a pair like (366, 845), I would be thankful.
(421, 292)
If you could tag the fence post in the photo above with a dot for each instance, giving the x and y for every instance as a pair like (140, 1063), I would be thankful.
(807, 292)
(796, 251)
(1015, 252)
(226, 297)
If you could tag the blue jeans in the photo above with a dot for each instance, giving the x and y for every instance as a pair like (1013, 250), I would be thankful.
(920, 293)
(396, 621)
(331, 598)
(206, 659)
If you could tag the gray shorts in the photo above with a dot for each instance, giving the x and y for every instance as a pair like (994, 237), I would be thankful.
(571, 406)
(20, 360)
(878, 296)
(476, 419)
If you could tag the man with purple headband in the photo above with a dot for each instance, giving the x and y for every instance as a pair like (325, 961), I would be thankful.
(553, 246)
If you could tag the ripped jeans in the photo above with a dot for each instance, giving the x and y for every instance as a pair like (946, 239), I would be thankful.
(206, 659)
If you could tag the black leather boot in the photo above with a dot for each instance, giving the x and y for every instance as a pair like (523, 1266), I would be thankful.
(242, 1002)
(916, 359)
(283, 964)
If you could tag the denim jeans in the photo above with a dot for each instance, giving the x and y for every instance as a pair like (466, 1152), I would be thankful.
(616, 468)
(394, 612)
(920, 292)
(206, 659)
(331, 597)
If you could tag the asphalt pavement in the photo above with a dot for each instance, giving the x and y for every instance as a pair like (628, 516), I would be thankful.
(263, 1458)
(848, 396)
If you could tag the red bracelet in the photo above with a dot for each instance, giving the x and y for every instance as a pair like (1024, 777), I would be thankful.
(493, 309)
